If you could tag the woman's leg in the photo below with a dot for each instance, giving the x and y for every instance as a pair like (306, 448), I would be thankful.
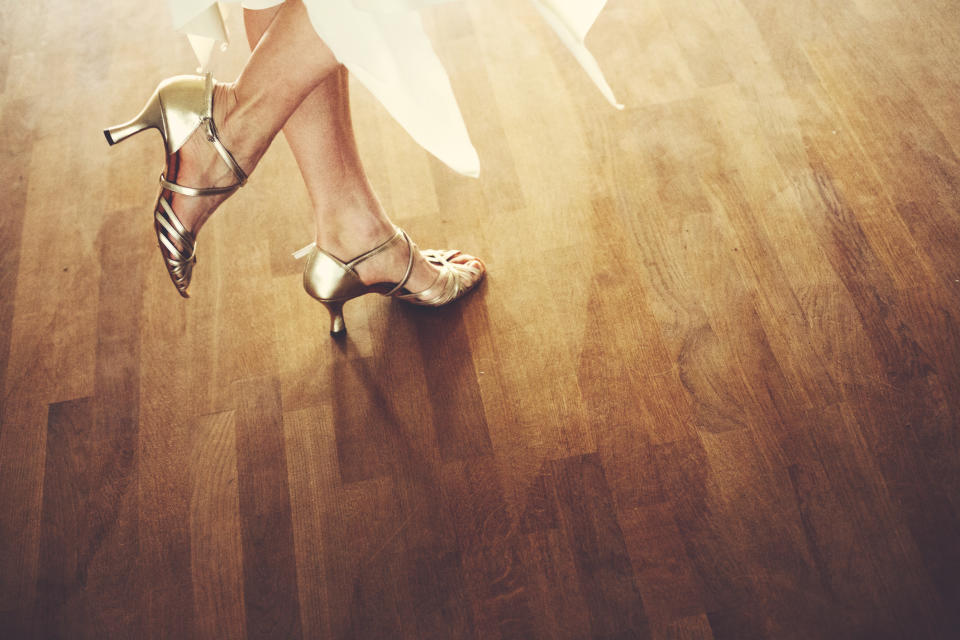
(288, 64)
(349, 217)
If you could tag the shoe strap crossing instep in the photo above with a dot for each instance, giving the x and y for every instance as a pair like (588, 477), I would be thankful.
(227, 158)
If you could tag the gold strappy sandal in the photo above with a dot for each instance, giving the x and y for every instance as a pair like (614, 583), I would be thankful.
(176, 109)
(333, 282)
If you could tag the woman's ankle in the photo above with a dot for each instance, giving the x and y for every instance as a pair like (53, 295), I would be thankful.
(359, 236)
(349, 240)
(237, 128)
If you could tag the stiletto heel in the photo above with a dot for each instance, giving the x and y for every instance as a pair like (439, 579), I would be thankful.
(179, 106)
(333, 282)
(150, 117)
(337, 326)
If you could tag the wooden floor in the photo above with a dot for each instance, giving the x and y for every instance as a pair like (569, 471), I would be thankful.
(711, 388)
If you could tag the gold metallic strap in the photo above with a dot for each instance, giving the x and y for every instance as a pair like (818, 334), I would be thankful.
(377, 249)
(301, 253)
(227, 158)
(196, 191)
(174, 236)
(406, 276)
(449, 283)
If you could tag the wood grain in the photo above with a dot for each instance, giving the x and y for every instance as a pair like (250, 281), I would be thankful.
(710, 389)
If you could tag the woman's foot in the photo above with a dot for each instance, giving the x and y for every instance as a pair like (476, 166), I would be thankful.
(441, 276)
(390, 265)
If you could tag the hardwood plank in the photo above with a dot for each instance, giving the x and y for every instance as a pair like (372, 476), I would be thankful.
(17, 119)
(691, 628)
(216, 558)
(489, 546)
(713, 553)
(435, 590)
(668, 583)
(458, 417)
(832, 526)
(86, 585)
(269, 569)
(21, 433)
(369, 429)
(313, 479)
(557, 603)
(364, 569)
(771, 549)
(605, 573)
(23, 443)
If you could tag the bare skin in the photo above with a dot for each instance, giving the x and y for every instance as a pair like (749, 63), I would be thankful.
(310, 101)
(251, 111)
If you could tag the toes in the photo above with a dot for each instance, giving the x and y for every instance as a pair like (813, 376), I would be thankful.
(466, 259)
(456, 259)
(470, 262)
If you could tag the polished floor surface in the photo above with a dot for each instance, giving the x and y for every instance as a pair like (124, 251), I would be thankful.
(711, 388)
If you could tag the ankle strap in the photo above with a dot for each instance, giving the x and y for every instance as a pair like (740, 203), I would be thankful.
(196, 191)
(302, 253)
(224, 154)
(377, 249)
(406, 276)
(227, 158)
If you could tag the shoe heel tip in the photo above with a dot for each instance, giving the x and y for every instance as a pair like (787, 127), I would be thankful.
(110, 140)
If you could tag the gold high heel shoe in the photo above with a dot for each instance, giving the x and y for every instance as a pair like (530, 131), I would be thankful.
(176, 109)
(334, 282)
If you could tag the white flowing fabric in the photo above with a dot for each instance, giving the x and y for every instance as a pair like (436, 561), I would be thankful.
(383, 45)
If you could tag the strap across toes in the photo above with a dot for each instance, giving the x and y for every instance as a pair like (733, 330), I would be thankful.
(459, 272)
(178, 244)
